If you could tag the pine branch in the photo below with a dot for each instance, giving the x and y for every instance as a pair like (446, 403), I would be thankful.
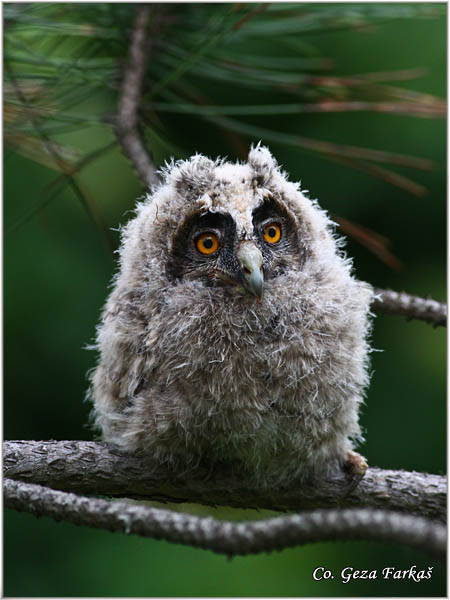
(53, 151)
(102, 469)
(127, 118)
(227, 537)
(411, 307)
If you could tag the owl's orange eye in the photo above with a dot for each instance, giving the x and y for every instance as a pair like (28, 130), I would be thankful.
(272, 233)
(207, 243)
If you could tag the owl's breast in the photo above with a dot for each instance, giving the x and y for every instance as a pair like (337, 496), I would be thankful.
(237, 353)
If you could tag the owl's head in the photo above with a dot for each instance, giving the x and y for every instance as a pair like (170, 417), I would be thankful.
(234, 226)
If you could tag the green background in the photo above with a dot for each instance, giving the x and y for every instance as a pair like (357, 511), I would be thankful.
(56, 276)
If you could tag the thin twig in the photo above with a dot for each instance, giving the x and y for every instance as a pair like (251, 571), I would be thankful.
(325, 148)
(411, 307)
(127, 129)
(384, 174)
(227, 537)
(55, 187)
(61, 165)
(102, 469)
(375, 242)
(436, 109)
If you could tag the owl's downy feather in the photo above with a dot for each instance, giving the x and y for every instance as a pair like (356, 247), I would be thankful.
(197, 365)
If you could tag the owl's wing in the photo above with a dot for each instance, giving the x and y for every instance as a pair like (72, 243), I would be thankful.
(127, 361)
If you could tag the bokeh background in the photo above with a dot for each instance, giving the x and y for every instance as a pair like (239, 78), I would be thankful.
(58, 243)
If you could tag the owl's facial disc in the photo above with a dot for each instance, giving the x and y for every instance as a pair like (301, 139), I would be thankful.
(212, 249)
(251, 262)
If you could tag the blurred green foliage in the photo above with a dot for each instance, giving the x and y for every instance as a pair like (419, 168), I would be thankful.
(57, 266)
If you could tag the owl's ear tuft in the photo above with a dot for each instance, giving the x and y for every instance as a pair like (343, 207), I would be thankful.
(193, 175)
(262, 163)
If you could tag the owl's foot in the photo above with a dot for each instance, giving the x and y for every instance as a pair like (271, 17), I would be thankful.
(355, 466)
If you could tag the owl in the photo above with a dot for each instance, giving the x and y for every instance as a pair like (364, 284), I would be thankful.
(235, 333)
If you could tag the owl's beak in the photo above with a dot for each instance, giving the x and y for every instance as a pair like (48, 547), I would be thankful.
(251, 260)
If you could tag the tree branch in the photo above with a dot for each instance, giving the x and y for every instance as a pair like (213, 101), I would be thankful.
(102, 469)
(127, 130)
(411, 307)
(227, 537)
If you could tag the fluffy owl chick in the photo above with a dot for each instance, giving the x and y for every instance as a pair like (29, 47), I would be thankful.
(235, 332)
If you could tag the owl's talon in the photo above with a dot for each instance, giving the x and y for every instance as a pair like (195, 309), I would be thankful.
(355, 466)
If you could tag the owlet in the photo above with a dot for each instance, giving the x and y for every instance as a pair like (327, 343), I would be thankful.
(235, 332)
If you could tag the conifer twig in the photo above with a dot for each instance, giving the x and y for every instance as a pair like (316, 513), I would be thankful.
(411, 307)
(127, 129)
